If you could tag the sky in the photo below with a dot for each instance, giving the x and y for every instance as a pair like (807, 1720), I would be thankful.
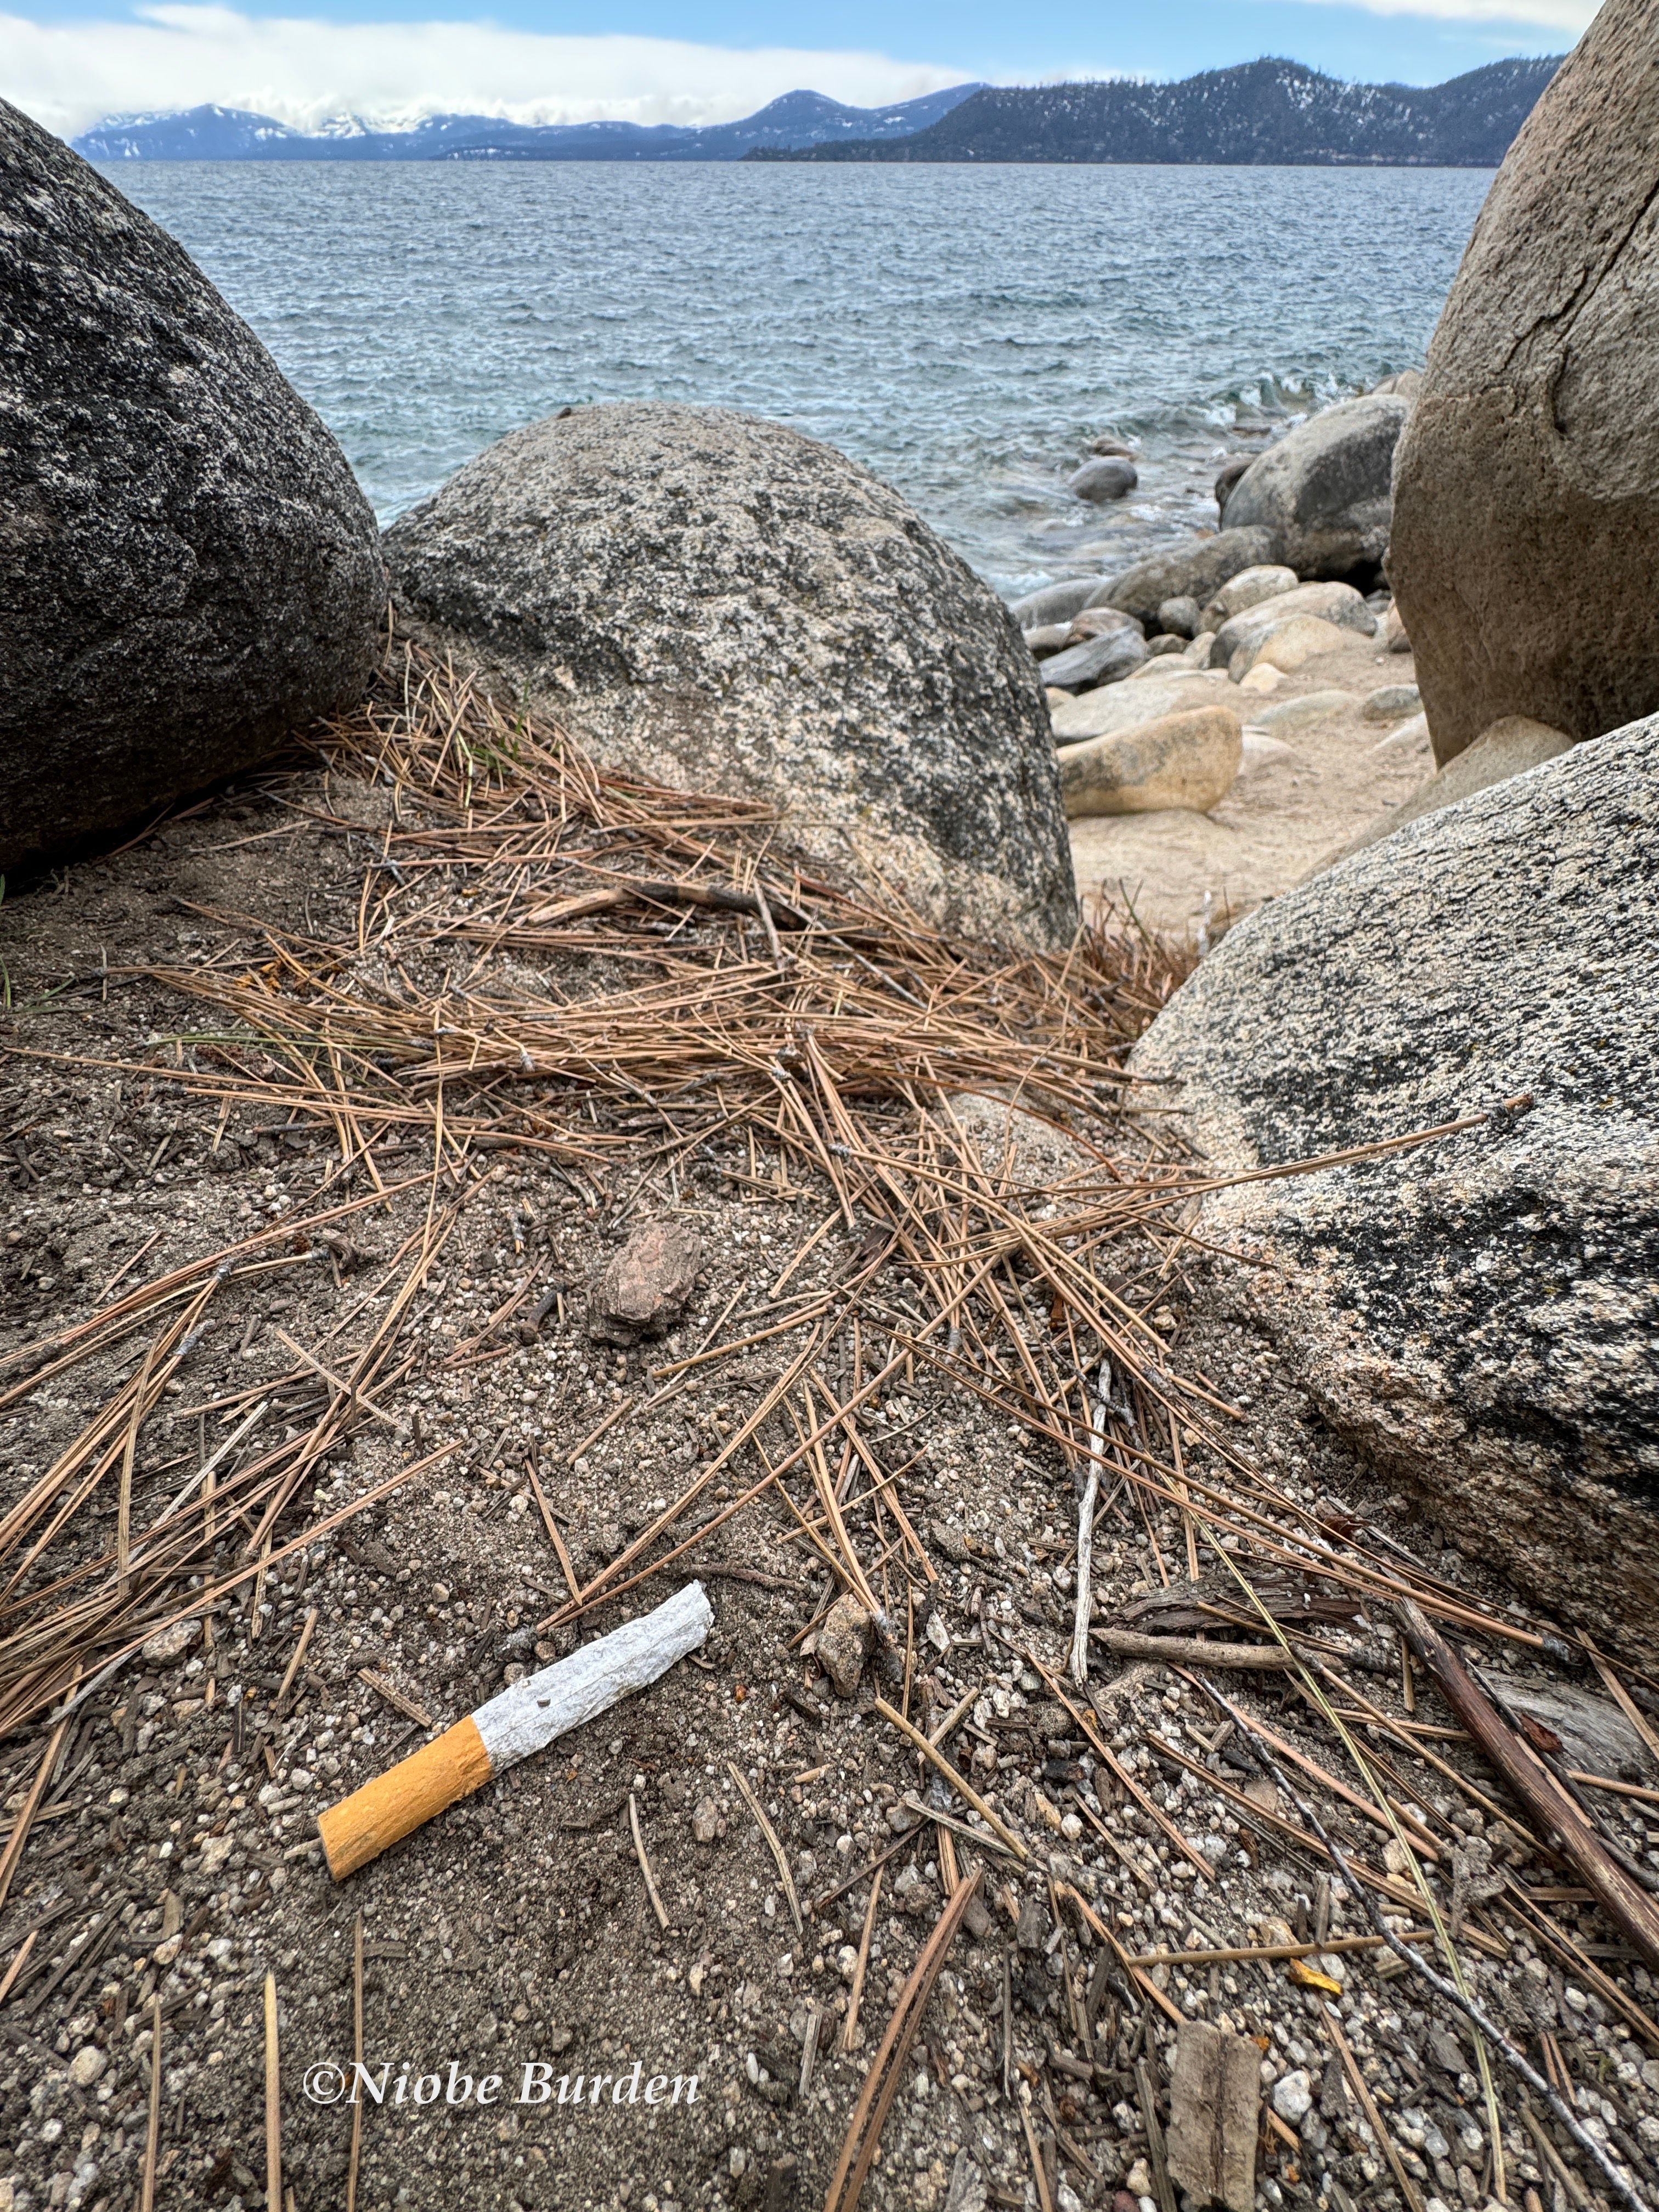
(69, 63)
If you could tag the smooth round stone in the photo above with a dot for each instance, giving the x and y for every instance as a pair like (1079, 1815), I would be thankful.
(1306, 713)
(1187, 760)
(1287, 645)
(1125, 706)
(1391, 703)
(1112, 478)
(1097, 660)
(1336, 602)
(1054, 602)
(1180, 617)
(1247, 589)
(1102, 622)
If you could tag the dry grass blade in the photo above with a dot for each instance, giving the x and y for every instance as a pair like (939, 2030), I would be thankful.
(1411, 2196)
(780, 1858)
(153, 2124)
(356, 2059)
(273, 2098)
(854, 1996)
(882, 2082)
(20, 1958)
(645, 1864)
(936, 1759)
(31, 1805)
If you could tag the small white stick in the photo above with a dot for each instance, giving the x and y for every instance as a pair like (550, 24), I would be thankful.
(1085, 1543)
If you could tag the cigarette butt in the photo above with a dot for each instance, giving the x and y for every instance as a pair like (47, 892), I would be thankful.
(525, 1718)
(360, 1827)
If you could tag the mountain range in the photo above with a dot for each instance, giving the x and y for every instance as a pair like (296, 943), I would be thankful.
(1268, 110)
(233, 134)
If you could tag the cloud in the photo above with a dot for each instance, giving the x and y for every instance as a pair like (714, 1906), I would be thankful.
(1571, 16)
(70, 75)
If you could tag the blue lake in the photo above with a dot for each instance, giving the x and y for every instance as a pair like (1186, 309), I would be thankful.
(963, 332)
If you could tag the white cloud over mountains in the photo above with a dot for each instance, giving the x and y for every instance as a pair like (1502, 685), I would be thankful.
(1572, 16)
(305, 71)
(70, 75)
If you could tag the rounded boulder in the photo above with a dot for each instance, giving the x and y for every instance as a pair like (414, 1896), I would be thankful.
(1106, 657)
(1247, 589)
(1111, 478)
(1339, 604)
(1194, 569)
(1054, 602)
(188, 569)
(1527, 488)
(1324, 490)
(1287, 645)
(717, 603)
(1187, 759)
(1476, 1317)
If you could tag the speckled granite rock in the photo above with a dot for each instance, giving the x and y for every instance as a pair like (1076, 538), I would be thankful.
(1196, 567)
(188, 569)
(719, 602)
(1479, 1316)
(1527, 487)
(1324, 489)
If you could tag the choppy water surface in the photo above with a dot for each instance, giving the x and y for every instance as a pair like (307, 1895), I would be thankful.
(964, 333)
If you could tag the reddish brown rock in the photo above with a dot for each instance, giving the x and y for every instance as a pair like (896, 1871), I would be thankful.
(843, 1643)
(645, 1288)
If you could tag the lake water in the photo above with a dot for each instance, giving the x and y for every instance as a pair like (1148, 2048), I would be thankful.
(964, 333)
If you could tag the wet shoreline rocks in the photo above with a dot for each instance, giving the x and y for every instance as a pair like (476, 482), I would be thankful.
(1304, 529)
(1325, 491)
(1103, 683)
(1188, 758)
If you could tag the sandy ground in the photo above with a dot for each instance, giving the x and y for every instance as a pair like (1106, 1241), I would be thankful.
(174, 1863)
(1283, 818)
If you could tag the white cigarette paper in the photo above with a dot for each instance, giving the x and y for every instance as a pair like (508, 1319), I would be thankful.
(525, 1718)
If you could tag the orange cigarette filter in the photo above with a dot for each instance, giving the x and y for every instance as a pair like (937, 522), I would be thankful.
(525, 1718)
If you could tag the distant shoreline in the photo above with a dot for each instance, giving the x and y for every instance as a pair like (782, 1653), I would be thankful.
(1266, 115)
(1271, 113)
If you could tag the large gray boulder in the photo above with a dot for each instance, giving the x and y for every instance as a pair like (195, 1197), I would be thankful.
(1323, 490)
(1196, 568)
(1102, 480)
(187, 568)
(1526, 488)
(1510, 748)
(1476, 1316)
(720, 603)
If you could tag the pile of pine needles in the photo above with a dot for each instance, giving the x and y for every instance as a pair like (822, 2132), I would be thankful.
(618, 978)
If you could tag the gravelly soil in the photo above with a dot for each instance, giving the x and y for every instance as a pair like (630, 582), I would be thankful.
(176, 1859)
